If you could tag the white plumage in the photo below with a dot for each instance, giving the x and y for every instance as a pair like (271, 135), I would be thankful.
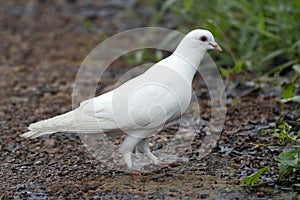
(141, 106)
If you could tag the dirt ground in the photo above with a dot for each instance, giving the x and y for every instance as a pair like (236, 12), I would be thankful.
(42, 46)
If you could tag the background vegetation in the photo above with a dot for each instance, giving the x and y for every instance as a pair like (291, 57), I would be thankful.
(260, 36)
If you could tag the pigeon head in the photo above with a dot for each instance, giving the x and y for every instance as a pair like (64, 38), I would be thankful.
(204, 38)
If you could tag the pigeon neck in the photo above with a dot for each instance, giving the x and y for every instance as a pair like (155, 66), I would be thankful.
(191, 51)
(189, 54)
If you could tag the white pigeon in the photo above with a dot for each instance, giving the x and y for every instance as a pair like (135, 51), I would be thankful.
(141, 106)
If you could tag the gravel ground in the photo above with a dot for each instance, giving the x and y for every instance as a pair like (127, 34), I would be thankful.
(42, 46)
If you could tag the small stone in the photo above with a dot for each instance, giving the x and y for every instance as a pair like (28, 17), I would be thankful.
(175, 164)
(38, 162)
(204, 196)
(173, 190)
(151, 144)
(18, 153)
(50, 142)
(260, 194)
(117, 142)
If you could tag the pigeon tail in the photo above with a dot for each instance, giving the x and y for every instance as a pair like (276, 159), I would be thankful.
(35, 134)
(60, 123)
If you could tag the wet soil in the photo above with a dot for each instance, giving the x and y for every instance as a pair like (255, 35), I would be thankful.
(42, 46)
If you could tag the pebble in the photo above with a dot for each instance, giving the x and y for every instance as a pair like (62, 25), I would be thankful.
(204, 196)
(175, 164)
(38, 162)
(236, 182)
(260, 194)
(173, 190)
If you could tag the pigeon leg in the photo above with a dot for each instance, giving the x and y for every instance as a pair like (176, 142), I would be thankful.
(138, 153)
(127, 147)
(143, 146)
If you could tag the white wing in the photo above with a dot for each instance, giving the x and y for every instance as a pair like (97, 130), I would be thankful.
(147, 101)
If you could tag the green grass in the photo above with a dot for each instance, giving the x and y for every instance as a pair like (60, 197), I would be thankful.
(261, 35)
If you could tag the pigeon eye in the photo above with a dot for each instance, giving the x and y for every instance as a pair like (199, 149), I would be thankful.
(203, 38)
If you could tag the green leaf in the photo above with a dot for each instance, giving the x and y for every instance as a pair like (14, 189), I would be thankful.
(237, 67)
(252, 179)
(288, 90)
(284, 170)
(266, 33)
(285, 127)
(224, 72)
(288, 161)
(290, 158)
(161, 12)
(297, 69)
(281, 132)
(261, 21)
(297, 3)
(187, 5)
(293, 99)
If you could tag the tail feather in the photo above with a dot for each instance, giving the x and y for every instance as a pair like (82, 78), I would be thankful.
(35, 134)
(64, 122)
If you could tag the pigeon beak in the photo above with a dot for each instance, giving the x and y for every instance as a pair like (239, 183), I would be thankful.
(216, 46)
